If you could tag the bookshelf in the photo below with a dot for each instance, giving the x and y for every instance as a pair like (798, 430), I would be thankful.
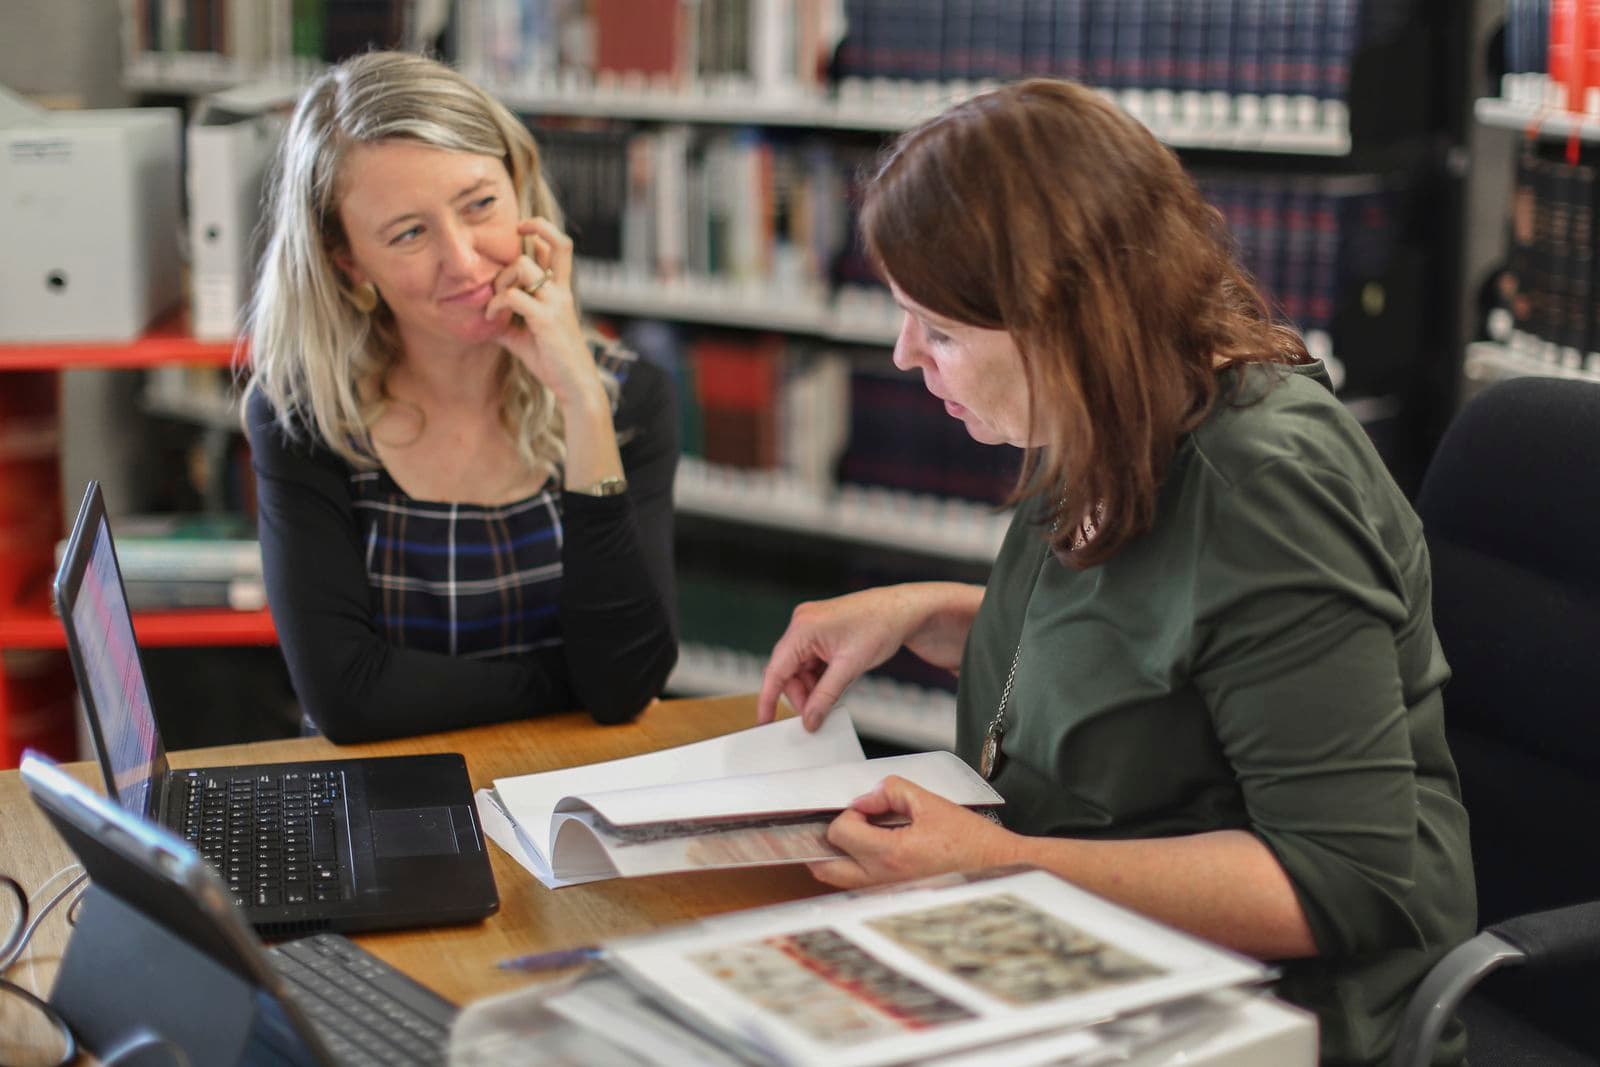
(1488, 361)
(1281, 125)
(35, 678)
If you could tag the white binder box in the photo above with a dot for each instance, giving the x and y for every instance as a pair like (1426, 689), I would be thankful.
(228, 160)
(89, 204)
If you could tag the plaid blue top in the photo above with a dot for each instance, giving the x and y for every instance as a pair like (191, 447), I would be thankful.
(399, 616)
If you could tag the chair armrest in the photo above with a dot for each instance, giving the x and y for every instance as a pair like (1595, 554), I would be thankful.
(1556, 938)
(1560, 937)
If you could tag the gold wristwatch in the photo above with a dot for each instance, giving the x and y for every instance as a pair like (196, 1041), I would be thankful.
(615, 485)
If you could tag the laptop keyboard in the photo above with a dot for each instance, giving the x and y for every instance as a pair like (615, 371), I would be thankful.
(272, 837)
(368, 1013)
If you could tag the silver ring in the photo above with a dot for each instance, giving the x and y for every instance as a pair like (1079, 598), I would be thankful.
(536, 286)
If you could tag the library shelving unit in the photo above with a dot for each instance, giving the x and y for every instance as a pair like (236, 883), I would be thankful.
(35, 680)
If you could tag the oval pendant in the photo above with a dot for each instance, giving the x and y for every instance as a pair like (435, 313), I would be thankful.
(989, 755)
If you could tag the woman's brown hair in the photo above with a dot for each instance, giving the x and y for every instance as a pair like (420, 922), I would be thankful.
(1041, 209)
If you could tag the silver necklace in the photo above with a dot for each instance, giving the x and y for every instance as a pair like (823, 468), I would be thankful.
(989, 754)
(989, 757)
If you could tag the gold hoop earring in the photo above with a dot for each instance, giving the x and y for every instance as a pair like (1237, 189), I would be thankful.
(363, 297)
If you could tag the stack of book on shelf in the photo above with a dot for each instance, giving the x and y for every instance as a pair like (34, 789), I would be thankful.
(743, 205)
(773, 47)
(1550, 306)
(178, 561)
(1009, 965)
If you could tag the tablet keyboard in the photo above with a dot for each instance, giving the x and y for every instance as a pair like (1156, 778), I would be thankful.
(367, 1013)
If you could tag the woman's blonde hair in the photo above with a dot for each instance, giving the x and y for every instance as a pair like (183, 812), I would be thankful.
(321, 362)
(1042, 210)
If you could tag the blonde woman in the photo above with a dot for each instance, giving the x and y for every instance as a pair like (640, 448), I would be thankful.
(465, 499)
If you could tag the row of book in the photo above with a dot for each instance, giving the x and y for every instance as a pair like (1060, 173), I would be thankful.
(749, 206)
(1289, 48)
(267, 33)
(767, 402)
(776, 46)
(742, 204)
(1307, 240)
(1550, 284)
(1252, 48)
(196, 560)
(1552, 54)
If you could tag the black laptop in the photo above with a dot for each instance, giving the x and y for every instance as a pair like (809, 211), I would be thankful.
(343, 845)
(158, 956)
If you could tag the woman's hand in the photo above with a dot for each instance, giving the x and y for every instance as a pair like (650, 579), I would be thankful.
(933, 836)
(533, 295)
(831, 643)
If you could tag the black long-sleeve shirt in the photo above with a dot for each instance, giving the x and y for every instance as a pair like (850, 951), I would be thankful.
(400, 617)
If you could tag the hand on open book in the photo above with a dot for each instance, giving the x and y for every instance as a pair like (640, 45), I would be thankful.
(900, 831)
(831, 643)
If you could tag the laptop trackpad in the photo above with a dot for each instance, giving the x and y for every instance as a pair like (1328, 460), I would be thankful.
(401, 832)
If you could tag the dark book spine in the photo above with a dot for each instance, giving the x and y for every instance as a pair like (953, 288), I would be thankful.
(1129, 64)
(1010, 40)
(1249, 48)
(1189, 46)
(1295, 272)
(1220, 46)
(1161, 44)
(1341, 31)
(1100, 53)
(1305, 48)
(1523, 240)
(1039, 43)
(958, 60)
(1070, 40)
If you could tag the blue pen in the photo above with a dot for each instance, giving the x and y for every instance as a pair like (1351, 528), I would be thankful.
(550, 961)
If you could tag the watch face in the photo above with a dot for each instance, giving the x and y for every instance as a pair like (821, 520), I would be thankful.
(606, 487)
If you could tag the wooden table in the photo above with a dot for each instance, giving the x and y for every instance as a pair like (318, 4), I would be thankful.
(459, 961)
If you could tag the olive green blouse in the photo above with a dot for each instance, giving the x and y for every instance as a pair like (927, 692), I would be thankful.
(1263, 659)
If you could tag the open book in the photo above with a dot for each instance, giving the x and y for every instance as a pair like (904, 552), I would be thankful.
(754, 797)
(1012, 965)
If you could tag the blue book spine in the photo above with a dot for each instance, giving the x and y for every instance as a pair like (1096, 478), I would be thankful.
(1070, 41)
(1305, 47)
(1269, 244)
(928, 28)
(956, 40)
(1219, 46)
(1129, 65)
(986, 37)
(1296, 269)
(1339, 37)
(1249, 53)
(852, 59)
(1100, 53)
(1010, 37)
(1277, 52)
(1324, 281)
(1189, 46)
(1038, 32)
(885, 45)
(1161, 45)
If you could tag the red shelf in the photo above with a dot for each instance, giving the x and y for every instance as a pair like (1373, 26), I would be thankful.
(34, 625)
(167, 341)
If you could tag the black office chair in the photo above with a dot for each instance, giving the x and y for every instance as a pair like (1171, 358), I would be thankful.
(1511, 511)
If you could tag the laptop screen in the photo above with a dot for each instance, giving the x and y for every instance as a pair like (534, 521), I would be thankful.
(118, 700)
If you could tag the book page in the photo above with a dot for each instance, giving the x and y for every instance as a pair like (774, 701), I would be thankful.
(864, 980)
(829, 787)
(530, 799)
(745, 821)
